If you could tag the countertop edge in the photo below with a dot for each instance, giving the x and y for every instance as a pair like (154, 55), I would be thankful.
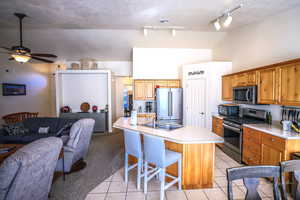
(271, 133)
(173, 140)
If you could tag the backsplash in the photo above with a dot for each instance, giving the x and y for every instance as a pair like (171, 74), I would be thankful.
(142, 104)
(274, 109)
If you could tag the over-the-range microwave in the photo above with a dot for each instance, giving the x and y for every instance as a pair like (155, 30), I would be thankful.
(245, 95)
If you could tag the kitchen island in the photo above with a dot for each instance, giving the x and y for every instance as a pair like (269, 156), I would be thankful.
(197, 146)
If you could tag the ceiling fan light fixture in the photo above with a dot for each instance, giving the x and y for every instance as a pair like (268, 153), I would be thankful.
(21, 58)
(227, 21)
(217, 24)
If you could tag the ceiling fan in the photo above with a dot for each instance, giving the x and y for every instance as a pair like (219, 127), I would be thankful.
(23, 54)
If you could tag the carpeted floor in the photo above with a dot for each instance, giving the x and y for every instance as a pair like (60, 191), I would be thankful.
(104, 158)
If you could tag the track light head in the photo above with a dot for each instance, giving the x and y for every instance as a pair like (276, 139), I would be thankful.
(217, 24)
(145, 32)
(228, 20)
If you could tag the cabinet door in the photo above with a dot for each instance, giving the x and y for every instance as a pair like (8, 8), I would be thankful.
(240, 80)
(139, 92)
(227, 88)
(271, 155)
(289, 93)
(149, 90)
(267, 89)
(161, 83)
(174, 83)
(251, 78)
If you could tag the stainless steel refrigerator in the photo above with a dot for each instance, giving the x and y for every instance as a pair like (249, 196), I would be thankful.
(169, 104)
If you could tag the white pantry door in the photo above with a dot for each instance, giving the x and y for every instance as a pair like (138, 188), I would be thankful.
(195, 102)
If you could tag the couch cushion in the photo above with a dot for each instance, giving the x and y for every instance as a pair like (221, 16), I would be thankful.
(55, 124)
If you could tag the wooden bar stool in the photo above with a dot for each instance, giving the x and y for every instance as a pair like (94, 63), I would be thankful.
(155, 153)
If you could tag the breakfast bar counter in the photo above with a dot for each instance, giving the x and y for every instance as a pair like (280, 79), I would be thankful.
(197, 146)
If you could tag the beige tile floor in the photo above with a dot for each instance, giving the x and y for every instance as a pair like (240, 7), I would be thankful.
(114, 188)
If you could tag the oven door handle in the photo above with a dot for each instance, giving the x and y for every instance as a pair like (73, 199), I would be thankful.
(232, 128)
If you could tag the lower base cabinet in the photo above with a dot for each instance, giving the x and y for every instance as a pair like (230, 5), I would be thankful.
(217, 128)
(271, 155)
(261, 148)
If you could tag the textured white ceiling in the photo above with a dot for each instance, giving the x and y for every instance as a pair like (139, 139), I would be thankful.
(134, 14)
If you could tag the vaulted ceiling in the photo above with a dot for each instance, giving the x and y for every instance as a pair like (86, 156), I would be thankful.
(134, 14)
(108, 29)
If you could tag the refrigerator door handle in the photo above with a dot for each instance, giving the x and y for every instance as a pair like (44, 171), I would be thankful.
(169, 103)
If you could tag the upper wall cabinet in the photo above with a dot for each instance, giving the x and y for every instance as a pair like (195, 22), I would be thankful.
(145, 89)
(276, 84)
(267, 86)
(244, 79)
(227, 88)
(289, 84)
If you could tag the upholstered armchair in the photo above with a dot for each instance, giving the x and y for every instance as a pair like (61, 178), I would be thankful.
(78, 144)
(27, 174)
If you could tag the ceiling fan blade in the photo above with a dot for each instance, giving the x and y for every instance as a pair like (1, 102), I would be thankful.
(42, 59)
(44, 55)
(6, 48)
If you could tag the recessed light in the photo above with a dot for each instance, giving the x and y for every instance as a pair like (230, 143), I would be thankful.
(164, 21)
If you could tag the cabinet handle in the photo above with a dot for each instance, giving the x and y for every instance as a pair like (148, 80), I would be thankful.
(273, 140)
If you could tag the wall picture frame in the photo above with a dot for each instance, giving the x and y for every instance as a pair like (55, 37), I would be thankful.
(12, 89)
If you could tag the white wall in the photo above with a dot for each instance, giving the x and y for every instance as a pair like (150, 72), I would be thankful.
(38, 81)
(79, 88)
(273, 40)
(165, 63)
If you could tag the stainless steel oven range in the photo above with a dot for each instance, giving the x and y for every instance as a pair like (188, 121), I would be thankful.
(233, 131)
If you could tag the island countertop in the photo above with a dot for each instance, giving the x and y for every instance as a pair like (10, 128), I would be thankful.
(184, 135)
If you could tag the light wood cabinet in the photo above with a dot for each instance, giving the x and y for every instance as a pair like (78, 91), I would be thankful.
(267, 86)
(174, 83)
(161, 83)
(289, 85)
(251, 146)
(227, 82)
(271, 155)
(244, 79)
(276, 84)
(197, 165)
(217, 128)
(260, 148)
(145, 89)
(147, 115)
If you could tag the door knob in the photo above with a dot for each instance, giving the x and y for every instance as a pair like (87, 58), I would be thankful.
(202, 113)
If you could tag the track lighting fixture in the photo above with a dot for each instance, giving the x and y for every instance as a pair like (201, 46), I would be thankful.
(228, 20)
(217, 24)
(173, 32)
(227, 16)
(173, 29)
(145, 32)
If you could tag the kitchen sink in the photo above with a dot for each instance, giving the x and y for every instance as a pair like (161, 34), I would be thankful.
(165, 126)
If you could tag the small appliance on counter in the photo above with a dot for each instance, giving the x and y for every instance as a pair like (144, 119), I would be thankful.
(228, 109)
(149, 106)
(245, 95)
